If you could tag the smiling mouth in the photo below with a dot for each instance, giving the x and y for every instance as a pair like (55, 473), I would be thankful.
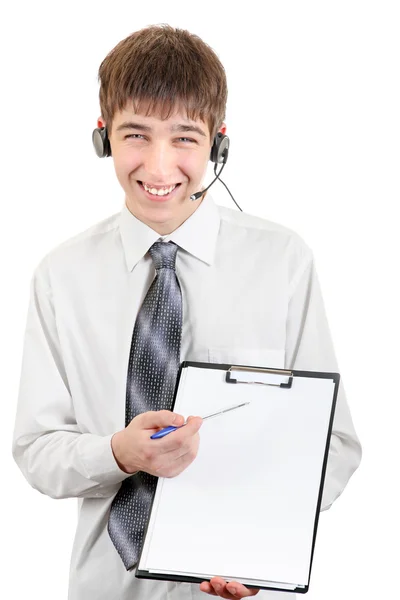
(156, 196)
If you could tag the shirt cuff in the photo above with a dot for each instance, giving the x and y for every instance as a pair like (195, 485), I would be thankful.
(99, 461)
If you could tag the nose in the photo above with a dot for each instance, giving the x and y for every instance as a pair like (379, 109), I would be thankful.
(159, 161)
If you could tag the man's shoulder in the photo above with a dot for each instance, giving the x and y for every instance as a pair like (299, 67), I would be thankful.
(88, 235)
(75, 249)
(260, 229)
(258, 237)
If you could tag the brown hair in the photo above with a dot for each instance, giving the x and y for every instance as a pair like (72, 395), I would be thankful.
(164, 67)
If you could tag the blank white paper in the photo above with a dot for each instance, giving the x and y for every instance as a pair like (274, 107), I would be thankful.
(246, 507)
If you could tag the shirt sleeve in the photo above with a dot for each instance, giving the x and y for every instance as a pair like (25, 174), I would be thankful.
(55, 457)
(309, 347)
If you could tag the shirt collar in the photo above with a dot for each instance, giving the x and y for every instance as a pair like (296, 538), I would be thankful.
(197, 235)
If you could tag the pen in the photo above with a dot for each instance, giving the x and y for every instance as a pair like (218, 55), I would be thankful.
(168, 430)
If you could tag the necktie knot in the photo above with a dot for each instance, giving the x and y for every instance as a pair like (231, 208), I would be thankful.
(163, 255)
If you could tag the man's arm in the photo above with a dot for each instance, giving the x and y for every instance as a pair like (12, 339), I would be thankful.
(309, 347)
(53, 454)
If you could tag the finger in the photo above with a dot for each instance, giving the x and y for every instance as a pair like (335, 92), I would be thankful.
(160, 418)
(174, 440)
(239, 590)
(226, 590)
(193, 422)
(220, 588)
(206, 587)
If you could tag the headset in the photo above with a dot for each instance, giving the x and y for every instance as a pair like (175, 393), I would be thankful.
(219, 154)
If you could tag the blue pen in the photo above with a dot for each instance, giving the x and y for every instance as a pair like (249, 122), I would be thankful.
(168, 430)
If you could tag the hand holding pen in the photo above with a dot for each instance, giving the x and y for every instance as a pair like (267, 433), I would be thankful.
(135, 450)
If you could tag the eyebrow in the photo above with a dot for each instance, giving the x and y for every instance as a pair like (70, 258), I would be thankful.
(173, 128)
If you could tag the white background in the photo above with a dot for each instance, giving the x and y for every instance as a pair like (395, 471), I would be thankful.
(314, 121)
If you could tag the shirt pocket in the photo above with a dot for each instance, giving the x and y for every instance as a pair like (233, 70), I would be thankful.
(252, 357)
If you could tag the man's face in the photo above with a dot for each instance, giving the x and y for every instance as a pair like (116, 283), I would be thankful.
(159, 156)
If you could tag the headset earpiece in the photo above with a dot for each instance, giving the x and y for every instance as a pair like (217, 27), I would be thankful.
(220, 148)
(101, 142)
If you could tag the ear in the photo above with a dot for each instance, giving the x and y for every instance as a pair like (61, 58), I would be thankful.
(101, 122)
(222, 130)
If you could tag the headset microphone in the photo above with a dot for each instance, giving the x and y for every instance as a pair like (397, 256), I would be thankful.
(218, 154)
(198, 194)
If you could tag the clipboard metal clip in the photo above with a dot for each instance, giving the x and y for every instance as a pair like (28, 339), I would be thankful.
(288, 384)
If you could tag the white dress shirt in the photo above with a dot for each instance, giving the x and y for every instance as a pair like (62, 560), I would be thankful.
(250, 295)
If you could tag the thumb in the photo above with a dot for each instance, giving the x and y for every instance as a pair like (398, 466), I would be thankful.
(161, 418)
(198, 421)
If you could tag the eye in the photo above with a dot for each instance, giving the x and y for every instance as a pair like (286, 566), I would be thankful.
(131, 135)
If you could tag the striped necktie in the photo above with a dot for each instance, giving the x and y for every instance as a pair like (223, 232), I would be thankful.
(152, 372)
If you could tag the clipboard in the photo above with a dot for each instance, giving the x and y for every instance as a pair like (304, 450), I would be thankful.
(247, 508)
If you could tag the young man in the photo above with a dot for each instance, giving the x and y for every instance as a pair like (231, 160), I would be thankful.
(231, 287)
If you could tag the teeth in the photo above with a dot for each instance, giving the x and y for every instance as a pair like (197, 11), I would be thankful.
(160, 192)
